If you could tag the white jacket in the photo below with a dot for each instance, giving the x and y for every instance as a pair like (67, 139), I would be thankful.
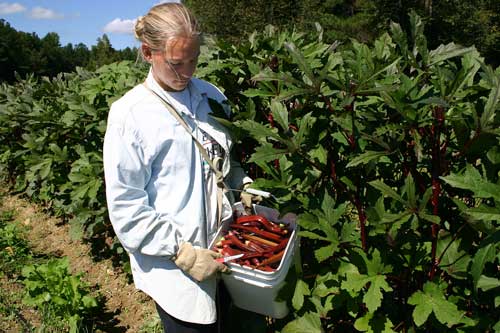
(157, 193)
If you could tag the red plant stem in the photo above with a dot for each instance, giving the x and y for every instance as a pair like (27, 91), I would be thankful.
(270, 118)
(436, 185)
(362, 223)
(355, 200)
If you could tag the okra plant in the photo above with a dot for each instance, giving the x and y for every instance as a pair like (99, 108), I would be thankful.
(389, 153)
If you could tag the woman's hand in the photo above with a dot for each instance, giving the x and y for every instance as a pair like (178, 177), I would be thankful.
(247, 199)
(200, 264)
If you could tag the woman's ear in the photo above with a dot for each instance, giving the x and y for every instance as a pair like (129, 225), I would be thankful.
(146, 53)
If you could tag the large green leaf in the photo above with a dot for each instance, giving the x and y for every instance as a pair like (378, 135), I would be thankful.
(372, 323)
(373, 296)
(366, 157)
(486, 283)
(387, 190)
(266, 153)
(326, 252)
(444, 52)
(308, 323)
(280, 114)
(301, 290)
(432, 300)
(490, 109)
(302, 62)
(472, 180)
(259, 131)
(483, 256)
(484, 213)
(454, 259)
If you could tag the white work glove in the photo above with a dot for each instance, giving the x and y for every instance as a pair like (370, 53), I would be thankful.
(247, 199)
(199, 263)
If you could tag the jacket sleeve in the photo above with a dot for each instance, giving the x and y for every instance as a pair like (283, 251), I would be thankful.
(127, 171)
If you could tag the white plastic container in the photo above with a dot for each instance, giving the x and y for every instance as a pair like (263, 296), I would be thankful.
(255, 290)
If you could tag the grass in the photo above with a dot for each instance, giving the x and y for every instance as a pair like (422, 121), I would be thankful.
(14, 254)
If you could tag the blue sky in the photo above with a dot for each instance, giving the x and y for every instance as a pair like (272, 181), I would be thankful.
(78, 21)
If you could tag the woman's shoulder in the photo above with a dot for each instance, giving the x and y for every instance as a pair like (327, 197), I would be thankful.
(130, 101)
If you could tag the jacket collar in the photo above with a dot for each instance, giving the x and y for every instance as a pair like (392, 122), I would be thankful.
(197, 96)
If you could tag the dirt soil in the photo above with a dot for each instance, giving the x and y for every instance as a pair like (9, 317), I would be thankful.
(126, 309)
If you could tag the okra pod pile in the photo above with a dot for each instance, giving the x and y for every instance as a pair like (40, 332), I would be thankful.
(262, 242)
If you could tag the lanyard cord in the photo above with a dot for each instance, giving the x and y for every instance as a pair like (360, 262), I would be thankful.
(215, 165)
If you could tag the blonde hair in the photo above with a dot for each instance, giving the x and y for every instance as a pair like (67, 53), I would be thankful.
(166, 21)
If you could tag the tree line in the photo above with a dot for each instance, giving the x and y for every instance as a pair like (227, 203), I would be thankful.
(465, 22)
(23, 53)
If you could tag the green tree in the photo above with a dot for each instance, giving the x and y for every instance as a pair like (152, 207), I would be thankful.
(102, 53)
(233, 19)
(340, 19)
(15, 52)
(466, 22)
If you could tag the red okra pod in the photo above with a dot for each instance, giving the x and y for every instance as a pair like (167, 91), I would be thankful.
(263, 233)
(256, 247)
(268, 225)
(274, 259)
(265, 242)
(238, 243)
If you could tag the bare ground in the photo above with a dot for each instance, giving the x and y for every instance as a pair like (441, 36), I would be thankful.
(126, 309)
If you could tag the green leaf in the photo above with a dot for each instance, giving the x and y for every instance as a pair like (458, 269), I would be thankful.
(386, 190)
(428, 217)
(455, 261)
(410, 191)
(304, 124)
(421, 312)
(280, 114)
(486, 283)
(319, 154)
(266, 152)
(444, 52)
(483, 256)
(326, 252)
(301, 290)
(301, 61)
(472, 180)
(308, 323)
(311, 235)
(372, 323)
(484, 213)
(366, 157)
(489, 114)
(373, 297)
(354, 281)
(432, 300)
(258, 93)
(308, 221)
(259, 131)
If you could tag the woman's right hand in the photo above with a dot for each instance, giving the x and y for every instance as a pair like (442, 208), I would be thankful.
(199, 263)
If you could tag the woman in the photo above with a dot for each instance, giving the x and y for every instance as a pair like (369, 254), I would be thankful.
(161, 192)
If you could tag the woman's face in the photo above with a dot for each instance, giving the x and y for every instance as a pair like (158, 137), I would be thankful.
(174, 66)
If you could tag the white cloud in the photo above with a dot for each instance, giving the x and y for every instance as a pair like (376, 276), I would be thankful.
(41, 13)
(11, 8)
(120, 26)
